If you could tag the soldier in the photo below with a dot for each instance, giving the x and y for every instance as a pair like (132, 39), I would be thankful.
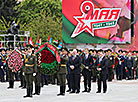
(87, 61)
(63, 71)
(75, 63)
(111, 63)
(102, 67)
(10, 73)
(22, 78)
(2, 67)
(130, 66)
(37, 78)
(29, 70)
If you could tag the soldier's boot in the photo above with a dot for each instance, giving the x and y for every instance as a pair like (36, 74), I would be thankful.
(9, 84)
(39, 89)
(24, 86)
(61, 91)
(35, 90)
(28, 93)
(31, 92)
(64, 88)
(12, 84)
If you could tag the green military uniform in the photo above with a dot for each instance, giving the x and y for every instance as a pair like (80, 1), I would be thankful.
(10, 77)
(29, 68)
(37, 79)
(23, 82)
(111, 63)
(62, 74)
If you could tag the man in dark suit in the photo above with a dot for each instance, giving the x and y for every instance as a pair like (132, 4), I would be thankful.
(87, 61)
(111, 63)
(75, 63)
(102, 66)
(130, 66)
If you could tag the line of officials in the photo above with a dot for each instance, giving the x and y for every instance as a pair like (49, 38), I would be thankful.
(93, 65)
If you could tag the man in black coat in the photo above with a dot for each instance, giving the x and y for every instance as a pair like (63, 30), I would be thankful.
(111, 63)
(87, 61)
(130, 66)
(75, 63)
(102, 67)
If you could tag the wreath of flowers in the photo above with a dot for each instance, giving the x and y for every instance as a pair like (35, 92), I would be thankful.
(15, 61)
(47, 59)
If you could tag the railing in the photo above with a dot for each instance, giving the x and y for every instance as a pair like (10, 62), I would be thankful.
(26, 35)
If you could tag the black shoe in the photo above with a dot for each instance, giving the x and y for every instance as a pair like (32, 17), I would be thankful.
(72, 92)
(20, 86)
(77, 91)
(24, 87)
(89, 90)
(27, 96)
(104, 91)
(84, 91)
(61, 94)
(9, 87)
(98, 92)
(68, 90)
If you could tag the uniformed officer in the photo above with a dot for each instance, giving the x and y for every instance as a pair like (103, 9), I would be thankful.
(37, 78)
(22, 77)
(29, 70)
(2, 67)
(62, 71)
(10, 72)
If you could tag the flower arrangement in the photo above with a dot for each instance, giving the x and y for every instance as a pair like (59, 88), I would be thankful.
(48, 58)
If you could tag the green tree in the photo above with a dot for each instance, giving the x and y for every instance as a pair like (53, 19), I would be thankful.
(43, 26)
(7, 9)
(30, 9)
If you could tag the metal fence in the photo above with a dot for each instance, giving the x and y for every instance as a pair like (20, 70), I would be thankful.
(25, 35)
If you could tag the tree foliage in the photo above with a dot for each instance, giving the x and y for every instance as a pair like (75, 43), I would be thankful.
(41, 17)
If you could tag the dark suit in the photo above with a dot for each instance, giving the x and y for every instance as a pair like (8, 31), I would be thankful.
(103, 73)
(75, 73)
(111, 63)
(88, 62)
(119, 68)
(129, 65)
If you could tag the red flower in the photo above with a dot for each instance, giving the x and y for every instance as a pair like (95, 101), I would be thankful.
(98, 65)
(112, 66)
(47, 56)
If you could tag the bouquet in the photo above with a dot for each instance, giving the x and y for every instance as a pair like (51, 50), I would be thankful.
(98, 72)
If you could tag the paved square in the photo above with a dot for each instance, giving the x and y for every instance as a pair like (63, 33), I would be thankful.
(118, 91)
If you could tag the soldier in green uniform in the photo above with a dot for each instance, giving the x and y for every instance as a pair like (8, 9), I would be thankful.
(29, 70)
(22, 77)
(62, 72)
(10, 73)
(111, 63)
(37, 78)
